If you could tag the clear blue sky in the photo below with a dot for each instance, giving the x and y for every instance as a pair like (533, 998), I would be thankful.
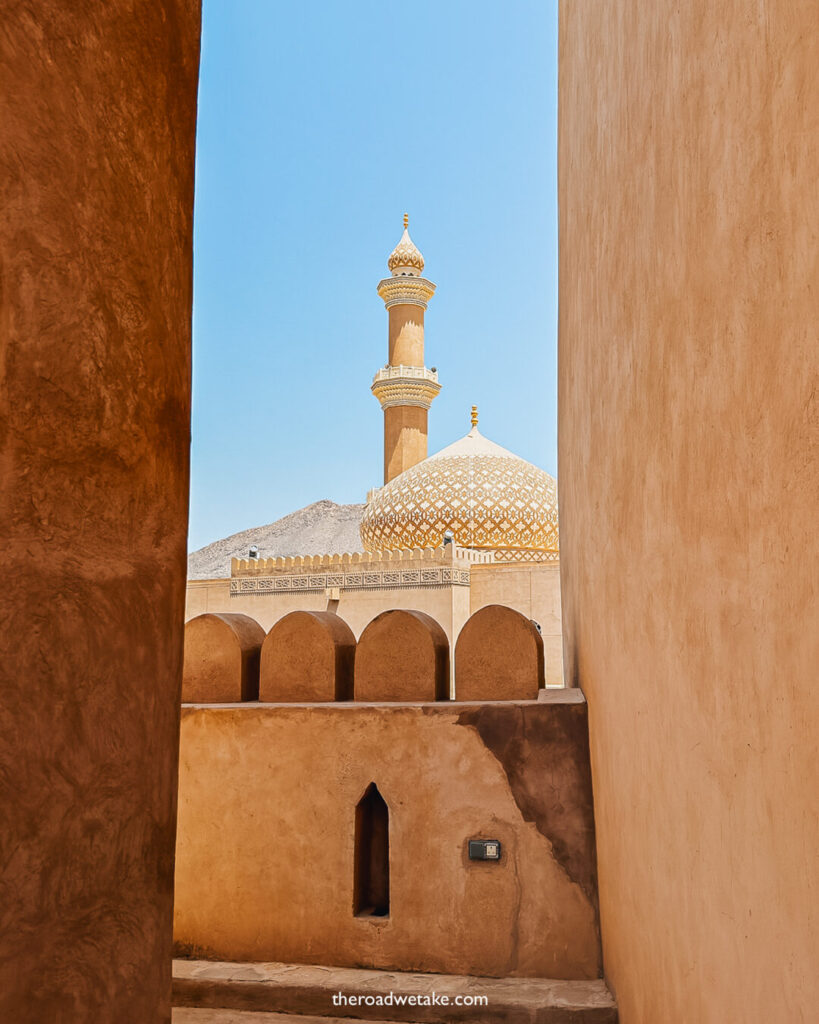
(320, 123)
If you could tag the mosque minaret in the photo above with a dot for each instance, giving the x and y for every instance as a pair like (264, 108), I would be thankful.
(405, 387)
(444, 535)
(480, 495)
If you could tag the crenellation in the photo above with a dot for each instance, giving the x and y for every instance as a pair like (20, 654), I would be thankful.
(221, 658)
(408, 568)
(402, 655)
(499, 656)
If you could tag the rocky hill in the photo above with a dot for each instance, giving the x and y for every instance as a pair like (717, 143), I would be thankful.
(321, 528)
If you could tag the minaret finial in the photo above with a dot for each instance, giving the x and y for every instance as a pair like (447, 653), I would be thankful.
(406, 221)
(474, 415)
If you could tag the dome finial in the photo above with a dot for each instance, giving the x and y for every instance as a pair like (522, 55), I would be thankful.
(474, 415)
(405, 259)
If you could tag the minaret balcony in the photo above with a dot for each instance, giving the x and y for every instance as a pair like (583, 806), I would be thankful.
(405, 385)
(406, 291)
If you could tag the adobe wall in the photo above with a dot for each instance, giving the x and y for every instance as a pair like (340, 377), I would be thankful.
(532, 589)
(689, 421)
(266, 850)
(447, 605)
(213, 596)
(98, 111)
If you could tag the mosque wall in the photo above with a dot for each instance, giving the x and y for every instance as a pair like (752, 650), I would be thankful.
(98, 111)
(533, 589)
(266, 857)
(448, 605)
(689, 421)
(212, 596)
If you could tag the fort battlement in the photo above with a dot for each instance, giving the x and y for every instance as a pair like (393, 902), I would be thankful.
(314, 762)
(402, 655)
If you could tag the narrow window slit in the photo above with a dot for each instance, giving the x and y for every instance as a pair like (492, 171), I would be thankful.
(371, 892)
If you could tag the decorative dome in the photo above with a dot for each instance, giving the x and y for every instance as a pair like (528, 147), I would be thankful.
(405, 259)
(484, 495)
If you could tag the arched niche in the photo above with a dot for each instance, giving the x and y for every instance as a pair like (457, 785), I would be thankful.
(371, 890)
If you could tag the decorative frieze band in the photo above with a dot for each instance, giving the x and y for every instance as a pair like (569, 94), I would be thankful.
(434, 576)
(398, 391)
(409, 291)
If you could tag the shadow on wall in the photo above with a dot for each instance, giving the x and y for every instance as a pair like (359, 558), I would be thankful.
(402, 656)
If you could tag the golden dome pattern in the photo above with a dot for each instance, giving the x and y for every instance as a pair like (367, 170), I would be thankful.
(488, 499)
(406, 257)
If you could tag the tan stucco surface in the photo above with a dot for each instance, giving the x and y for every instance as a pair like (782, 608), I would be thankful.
(221, 658)
(405, 438)
(402, 656)
(307, 656)
(406, 335)
(689, 420)
(532, 589)
(499, 656)
(266, 836)
(98, 121)
(449, 606)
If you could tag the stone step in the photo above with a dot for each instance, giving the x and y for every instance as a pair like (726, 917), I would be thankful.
(309, 992)
(192, 1015)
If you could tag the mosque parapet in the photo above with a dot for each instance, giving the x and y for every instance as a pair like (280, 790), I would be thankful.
(443, 566)
(411, 372)
(446, 554)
